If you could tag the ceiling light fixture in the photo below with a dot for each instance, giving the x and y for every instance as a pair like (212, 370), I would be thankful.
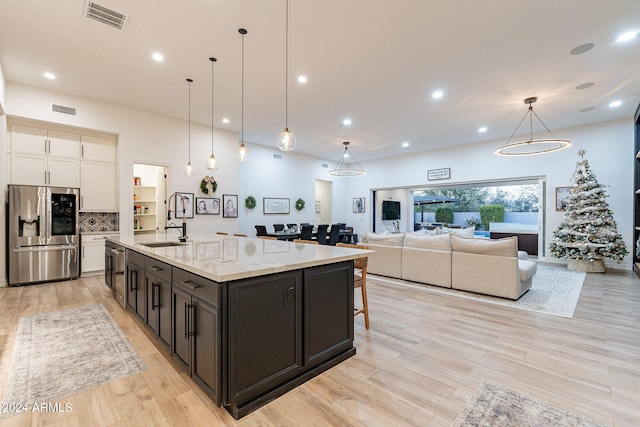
(243, 152)
(437, 94)
(302, 79)
(614, 104)
(625, 37)
(212, 163)
(343, 169)
(286, 140)
(49, 76)
(157, 57)
(189, 169)
(532, 146)
(482, 129)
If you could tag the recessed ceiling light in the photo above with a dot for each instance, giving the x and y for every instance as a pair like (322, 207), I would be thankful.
(629, 35)
(585, 85)
(346, 122)
(482, 129)
(302, 79)
(49, 76)
(437, 94)
(614, 104)
(157, 57)
(581, 49)
(225, 120)
(406, 144)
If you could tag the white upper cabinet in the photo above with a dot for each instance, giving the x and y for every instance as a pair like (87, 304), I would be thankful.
(98, 149)
(32, 140)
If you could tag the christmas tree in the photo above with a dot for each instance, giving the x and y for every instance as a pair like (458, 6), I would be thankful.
(587, 231)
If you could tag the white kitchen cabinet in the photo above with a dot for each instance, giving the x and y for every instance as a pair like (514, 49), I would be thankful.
(98, 149)
(92, 261)
(98, 187)
(27, 139)
(32, 169)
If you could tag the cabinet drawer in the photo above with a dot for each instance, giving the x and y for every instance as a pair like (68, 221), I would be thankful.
(198, 286)
(135, 257)
(158, 268)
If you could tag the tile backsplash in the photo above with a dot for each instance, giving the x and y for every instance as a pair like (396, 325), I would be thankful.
(98, 221)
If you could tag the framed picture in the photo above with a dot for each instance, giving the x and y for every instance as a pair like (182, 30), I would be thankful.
(317, 206)
(188, 205)
(436, 174)
(562, 198)
(358, 205)
(230, 206)
(271, 205)
(207, 206)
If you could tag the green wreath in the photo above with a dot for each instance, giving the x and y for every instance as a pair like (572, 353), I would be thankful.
(299, 204)
(203, 185)
(250, 202)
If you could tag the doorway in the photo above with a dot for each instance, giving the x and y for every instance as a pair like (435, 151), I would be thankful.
(324, 198)
(149, 195)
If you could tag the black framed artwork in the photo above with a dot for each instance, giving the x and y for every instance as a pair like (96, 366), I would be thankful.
(230, 206)
(358, 204)
(187, 198)
(207, 206)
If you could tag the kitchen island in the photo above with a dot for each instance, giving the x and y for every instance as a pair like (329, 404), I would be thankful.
(249, 319)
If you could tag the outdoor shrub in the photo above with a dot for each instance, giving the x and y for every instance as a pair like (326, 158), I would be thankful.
(491, 213)
(473, 222)
(444, 214)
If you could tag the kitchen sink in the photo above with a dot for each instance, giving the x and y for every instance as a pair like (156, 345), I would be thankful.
(162, 244)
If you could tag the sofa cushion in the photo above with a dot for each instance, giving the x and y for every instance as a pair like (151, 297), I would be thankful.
(507, 246)
(464, 232)
(527, 269)
(387, 239)
(441, 242)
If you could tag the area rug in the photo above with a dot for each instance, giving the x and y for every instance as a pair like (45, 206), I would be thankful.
(553, 291)
(62, 353)
(492, 405)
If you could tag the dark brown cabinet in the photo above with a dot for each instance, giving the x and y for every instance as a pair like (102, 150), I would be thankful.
(158, 291)
(136, 295)
(196, 330)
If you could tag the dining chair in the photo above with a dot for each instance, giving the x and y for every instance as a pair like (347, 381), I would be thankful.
(267, 237)
(334, 235)
(311, 242)
(261, 230)
(290, 226)
(240, 235)
(222, 232)
(307, 232)
(360, 281)
(321, 234)
(278, 227)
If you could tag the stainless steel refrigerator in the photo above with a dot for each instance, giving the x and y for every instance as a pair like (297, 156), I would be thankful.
(42, 234)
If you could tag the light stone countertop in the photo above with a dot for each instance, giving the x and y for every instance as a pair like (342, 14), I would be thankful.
(227, 258)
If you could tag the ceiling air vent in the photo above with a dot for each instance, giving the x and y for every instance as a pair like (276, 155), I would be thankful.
(62, 109)
(105, 15)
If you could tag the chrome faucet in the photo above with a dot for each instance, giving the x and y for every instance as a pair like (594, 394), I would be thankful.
(183, 227)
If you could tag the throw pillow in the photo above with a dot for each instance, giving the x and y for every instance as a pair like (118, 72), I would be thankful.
(441, 242)
(387, 239)
(507, 246)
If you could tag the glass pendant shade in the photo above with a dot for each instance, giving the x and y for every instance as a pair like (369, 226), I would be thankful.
(188, 170)
(532, 146)
(242, 154)
(212, 163)
(286, 140)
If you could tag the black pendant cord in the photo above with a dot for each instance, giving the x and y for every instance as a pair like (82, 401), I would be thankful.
(286, 71)
(242, 31)
(189, 132)
(212, 97)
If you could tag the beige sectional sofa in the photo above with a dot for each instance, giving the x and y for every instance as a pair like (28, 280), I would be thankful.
(452, 260)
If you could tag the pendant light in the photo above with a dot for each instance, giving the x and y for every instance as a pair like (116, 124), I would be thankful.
(347, 164)
(212, 163)
(189, 169)
(243, 152)
(532, 146)
(286, 140)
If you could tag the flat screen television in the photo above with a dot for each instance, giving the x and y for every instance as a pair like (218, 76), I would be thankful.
(390, 210)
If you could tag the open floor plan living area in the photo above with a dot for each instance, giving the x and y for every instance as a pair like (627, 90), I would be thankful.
(320, 213)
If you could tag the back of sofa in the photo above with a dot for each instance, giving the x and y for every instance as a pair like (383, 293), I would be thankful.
(427, 259)
(387, 258)
(486, 266)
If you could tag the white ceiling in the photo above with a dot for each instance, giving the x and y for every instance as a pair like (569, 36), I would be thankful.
(376, 62)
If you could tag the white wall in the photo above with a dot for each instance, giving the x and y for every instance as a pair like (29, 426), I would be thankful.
(3, 181)
(610, 151)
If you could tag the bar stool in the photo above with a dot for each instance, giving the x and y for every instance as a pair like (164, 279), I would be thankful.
(311, 242)
(240, 235)
(267, 237)
(360, 281)
(222, 233)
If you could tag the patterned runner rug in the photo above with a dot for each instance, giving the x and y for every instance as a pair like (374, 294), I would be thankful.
(62, 353)
(492, 405)
(554, 291)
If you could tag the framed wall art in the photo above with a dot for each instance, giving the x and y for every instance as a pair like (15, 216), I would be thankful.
(188, 205)
(562, 197)
(273, 205)
(207, 206)
(317, 206)
(358, 205)
(230, 206)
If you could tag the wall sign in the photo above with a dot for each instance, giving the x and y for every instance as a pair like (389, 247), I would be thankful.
(435, 174)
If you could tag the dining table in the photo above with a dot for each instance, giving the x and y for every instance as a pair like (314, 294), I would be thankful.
(288, 234)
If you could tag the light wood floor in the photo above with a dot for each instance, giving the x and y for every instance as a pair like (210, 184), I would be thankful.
(420, 362)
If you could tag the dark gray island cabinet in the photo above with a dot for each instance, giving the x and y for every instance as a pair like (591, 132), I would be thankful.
(246, 341)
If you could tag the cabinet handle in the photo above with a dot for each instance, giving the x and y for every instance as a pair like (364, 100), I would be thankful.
(155, 268)
(155, 295)
(189, 284)
(186, 321)
(134, 281)
(192, 316)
